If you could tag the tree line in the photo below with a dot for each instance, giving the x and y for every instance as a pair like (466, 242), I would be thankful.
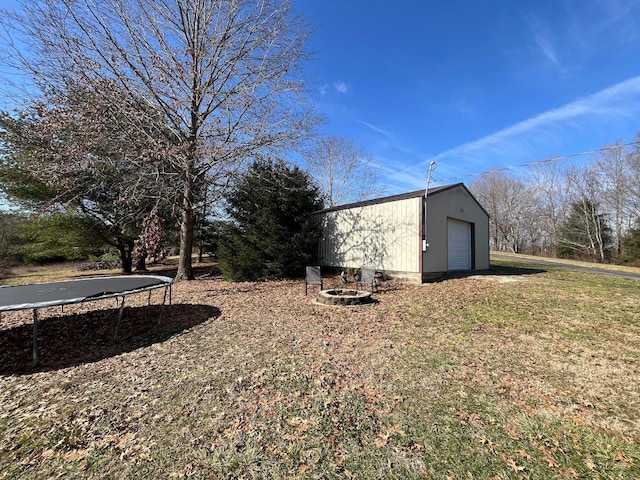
(142, 118)
(587, 212)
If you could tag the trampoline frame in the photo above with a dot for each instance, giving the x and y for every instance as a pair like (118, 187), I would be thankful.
(163, 282)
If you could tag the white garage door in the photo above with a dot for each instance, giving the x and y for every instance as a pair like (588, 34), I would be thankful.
(459, 245)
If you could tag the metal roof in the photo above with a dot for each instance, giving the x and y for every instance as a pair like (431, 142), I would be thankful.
(401, 196)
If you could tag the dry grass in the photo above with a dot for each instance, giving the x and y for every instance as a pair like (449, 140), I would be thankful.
(463, 378)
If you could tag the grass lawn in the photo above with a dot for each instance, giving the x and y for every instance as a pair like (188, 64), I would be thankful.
(528, 372)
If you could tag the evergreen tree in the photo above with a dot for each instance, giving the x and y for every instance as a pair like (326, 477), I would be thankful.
(57, 237)
(631, 245)
(224, 77)
(272, 234)
(585, 234)
(77, 155)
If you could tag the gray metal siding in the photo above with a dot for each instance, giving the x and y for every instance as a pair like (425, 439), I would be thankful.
(455, 204)
(384, 235)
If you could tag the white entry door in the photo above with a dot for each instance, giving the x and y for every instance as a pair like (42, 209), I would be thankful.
(459, 245)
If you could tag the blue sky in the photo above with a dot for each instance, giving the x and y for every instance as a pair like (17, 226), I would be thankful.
(475, 85)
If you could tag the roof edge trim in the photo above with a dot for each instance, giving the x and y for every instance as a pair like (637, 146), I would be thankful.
(392, 198)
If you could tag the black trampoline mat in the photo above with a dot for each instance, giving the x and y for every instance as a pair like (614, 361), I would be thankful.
(38, 295)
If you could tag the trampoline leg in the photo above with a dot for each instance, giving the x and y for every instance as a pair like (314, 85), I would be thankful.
(35, 339)
(164, 300)
(117, 332)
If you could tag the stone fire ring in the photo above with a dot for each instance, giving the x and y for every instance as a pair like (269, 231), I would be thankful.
(343, 297)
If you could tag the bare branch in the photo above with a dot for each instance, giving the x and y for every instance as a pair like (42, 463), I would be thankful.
(224, 77)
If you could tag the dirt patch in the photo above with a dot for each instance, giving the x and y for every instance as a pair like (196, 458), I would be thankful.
(501, 278)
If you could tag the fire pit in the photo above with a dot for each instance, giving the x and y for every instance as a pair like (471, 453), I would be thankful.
(343, 297)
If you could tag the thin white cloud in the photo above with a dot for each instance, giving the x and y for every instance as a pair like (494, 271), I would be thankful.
(464, 108)
(585, 29)
(619, 101)
(543, 41)
(341, 87)
(375, 129)
(404, 150)
(618, 18)
(400, 182)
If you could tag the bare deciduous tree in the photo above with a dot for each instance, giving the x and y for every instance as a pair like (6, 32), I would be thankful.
(343, 171)
(224, 76)
(511, 208)
(548, 183)
(633, 160)
(584, 185)
(615, 182)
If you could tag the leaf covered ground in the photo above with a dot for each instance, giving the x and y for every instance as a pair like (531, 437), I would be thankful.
(524, 373)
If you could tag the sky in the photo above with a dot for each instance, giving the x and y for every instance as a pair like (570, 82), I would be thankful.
(474, 85)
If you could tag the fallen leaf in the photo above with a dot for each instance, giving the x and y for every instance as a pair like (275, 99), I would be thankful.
(571, 473)
(620, 457)
(74, 455)
(514, 466)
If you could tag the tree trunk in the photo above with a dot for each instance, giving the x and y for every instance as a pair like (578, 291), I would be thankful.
(185, 271)
(141, 264)
(126, 260)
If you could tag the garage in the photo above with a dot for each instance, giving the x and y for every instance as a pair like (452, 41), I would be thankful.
(416, 236)
(459, 245)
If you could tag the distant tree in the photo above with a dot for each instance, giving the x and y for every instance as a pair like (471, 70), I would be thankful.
(585, 234)
(149, 244)
(7, 223)
(511, 206)
(633, 163)
(77, 154)
(271, 233)
(613, 167)
(223, 75)
(52, 238)
(548, 183)
(631, 245)
(343, 171)
(207, 236)
(584, 185)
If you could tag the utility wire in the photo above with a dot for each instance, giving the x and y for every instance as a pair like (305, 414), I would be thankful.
(546, 160)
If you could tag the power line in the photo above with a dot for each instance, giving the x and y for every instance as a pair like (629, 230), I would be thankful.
(546, 160)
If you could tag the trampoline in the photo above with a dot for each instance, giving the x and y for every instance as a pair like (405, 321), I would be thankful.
(51, 294)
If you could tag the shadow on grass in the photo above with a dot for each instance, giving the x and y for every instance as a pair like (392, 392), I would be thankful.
(510, 270)
(494, 271)
(73, 339)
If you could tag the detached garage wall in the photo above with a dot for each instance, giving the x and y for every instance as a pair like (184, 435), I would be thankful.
(383, 235)
(386, 233)
(454, 206)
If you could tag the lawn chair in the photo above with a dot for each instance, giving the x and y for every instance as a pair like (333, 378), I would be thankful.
(313, 277)
(367, 277)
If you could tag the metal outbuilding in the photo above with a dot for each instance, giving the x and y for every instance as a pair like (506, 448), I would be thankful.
(407, 235)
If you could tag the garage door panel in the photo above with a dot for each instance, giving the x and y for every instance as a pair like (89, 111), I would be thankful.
(459, 245)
